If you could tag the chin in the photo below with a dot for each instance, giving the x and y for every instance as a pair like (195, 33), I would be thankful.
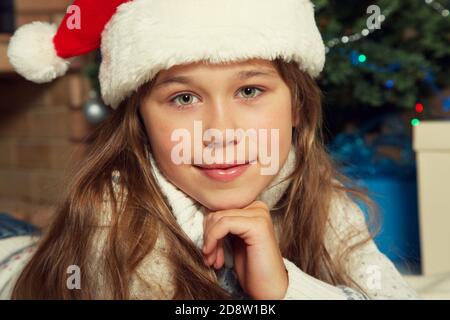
(226, 201)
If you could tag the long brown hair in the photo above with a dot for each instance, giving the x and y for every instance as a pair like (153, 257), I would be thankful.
(141, 215)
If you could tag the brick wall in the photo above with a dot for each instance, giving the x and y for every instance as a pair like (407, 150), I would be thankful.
(41, 10)
(41, 127)
(4, 63)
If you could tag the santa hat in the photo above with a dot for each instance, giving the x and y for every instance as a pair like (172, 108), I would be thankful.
(139, 38)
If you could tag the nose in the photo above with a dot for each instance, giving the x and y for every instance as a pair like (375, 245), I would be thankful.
(219, 123)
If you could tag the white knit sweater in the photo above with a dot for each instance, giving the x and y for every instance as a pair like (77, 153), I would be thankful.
(367, 266)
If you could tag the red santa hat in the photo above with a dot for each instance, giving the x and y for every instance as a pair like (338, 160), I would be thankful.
(139, 38)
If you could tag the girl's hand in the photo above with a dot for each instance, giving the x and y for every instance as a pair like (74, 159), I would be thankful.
(257, 259)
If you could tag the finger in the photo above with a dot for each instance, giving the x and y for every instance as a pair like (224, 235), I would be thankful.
(257, 204)
(237, 225)
(210, 220)
(214, 217)
(220, 255)
(211, 257)
(253, 210)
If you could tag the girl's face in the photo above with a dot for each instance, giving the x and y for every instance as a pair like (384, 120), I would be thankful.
(250, 96)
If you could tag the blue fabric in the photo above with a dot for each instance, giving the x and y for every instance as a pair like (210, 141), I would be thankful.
(11, 227)
(229, 282)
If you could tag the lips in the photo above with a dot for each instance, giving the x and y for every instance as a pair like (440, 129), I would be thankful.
(223, 172)
(221, 165)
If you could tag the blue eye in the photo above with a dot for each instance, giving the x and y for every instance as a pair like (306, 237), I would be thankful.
(184, 99)
(250, 91)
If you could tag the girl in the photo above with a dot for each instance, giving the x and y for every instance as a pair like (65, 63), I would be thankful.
(140, 222)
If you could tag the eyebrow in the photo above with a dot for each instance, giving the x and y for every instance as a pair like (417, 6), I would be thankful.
(243, 75)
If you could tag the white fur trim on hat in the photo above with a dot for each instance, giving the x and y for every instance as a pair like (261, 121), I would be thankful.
(32, 53)
(147, 36)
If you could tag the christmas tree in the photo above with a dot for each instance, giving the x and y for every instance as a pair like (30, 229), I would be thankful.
(386, 54)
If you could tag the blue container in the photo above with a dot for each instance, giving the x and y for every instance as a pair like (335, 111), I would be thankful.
(391, 182)
(398, 237)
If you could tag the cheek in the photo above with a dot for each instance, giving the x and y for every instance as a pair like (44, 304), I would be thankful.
(159, 132)
(282, 107)
(284, 119)
(278, 118)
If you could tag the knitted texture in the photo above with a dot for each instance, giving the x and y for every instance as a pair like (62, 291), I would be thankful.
(367, 266)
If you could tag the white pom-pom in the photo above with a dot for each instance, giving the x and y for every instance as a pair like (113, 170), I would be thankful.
(32, 53)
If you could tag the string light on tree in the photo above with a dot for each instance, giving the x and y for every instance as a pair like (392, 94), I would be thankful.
(357, 36)
(390, 67)
(382, 18)
(419, 107)
(438, 7)
(389, 84)
(362, 58)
